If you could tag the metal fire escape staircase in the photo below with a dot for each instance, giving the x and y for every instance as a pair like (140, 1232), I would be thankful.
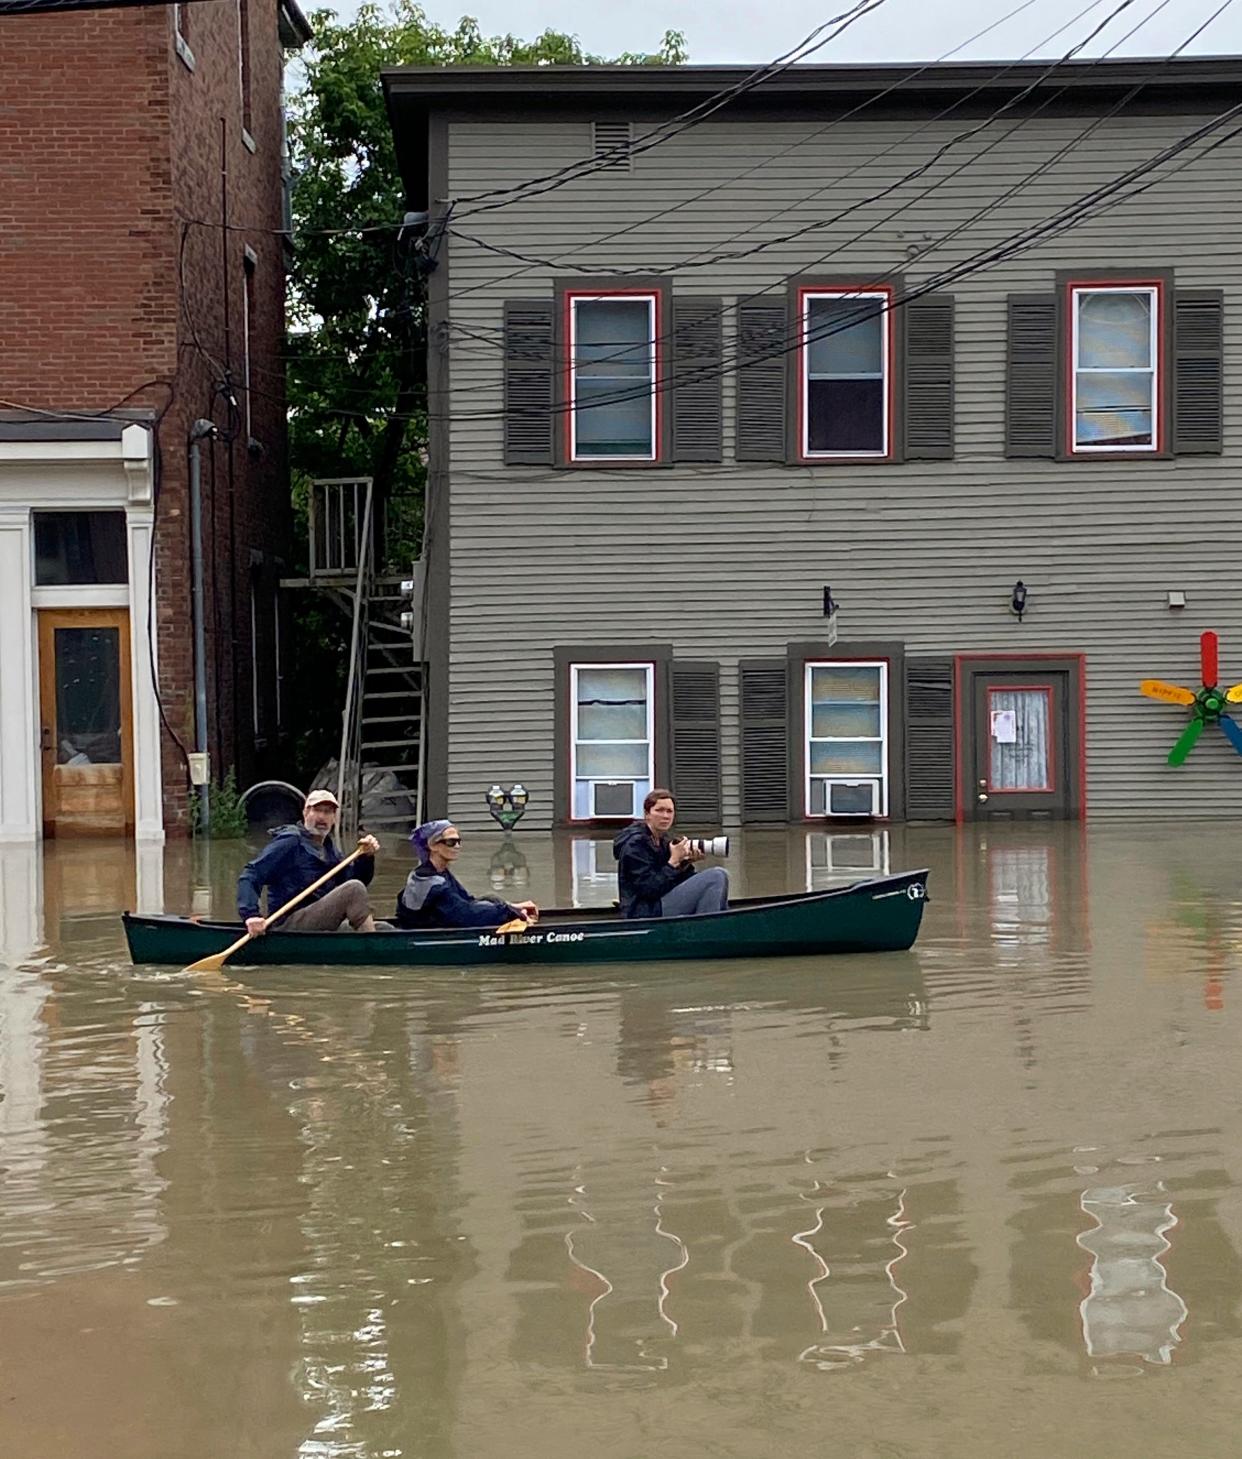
(379, 766)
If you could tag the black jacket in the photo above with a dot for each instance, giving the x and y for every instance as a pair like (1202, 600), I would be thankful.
(644, 876)
(289, 863)
(432, 898)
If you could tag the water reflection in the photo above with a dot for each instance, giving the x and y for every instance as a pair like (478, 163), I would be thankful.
(454, 1214)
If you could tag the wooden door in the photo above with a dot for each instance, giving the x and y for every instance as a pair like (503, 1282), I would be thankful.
(86, 722)
(1022, 745)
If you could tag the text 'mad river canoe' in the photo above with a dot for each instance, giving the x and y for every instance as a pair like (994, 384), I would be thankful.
(869, 916)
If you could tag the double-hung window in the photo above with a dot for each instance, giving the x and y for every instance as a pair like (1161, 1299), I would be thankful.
(1114, 368)
(614, 412)
(612, 739)
(846, 361)
(846, 738)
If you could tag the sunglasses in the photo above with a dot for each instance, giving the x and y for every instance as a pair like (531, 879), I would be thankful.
(449, 841)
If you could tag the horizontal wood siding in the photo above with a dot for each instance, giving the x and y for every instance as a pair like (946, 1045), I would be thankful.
(729, 561)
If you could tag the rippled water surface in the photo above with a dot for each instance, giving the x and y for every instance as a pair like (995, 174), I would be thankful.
(976, 1200)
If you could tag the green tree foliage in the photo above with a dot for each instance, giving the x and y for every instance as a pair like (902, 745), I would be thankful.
(357, 325)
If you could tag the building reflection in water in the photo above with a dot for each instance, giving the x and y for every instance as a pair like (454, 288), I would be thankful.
(1130, 1310)
(837, 858)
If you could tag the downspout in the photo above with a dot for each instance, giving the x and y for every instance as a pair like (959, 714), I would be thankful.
(201, 430)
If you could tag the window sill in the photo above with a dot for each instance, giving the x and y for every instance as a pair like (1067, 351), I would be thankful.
(248, 141)
(184, 51)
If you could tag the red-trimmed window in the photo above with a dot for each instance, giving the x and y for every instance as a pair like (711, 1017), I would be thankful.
(846, 738)
(1114, 370)
(845, 374)
(613, 375)
(611, 740)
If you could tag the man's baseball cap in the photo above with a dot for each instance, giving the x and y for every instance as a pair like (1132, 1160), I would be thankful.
(322, 797)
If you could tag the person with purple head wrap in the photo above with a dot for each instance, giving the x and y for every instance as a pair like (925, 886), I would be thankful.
(432, 895)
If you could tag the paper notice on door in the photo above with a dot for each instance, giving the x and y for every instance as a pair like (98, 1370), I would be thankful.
(1005, 726)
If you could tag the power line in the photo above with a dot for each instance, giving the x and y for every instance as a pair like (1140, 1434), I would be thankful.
(820, 131)
(494, 198)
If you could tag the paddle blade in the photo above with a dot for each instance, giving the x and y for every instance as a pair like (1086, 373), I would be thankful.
(1170, 693)
(1184, 745)
(1234, 695)
(1208, 658)
(211, 964)
(1233, 732)
(516, 924)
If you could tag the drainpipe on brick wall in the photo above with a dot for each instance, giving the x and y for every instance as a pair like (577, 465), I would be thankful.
(201, 430)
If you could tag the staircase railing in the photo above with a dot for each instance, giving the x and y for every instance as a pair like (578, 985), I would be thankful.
(349, 764)
(336, 530)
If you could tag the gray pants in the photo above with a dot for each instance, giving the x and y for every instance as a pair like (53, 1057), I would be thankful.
(346, 903)
(705, 891)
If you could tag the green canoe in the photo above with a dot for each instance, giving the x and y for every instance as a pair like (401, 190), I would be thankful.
(870, 916)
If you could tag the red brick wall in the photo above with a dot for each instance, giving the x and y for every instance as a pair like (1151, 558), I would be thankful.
(108, 143)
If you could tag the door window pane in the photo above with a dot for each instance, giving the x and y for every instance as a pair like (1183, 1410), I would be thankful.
(614, 377)
(845, 368)
(88, 696)
(79, 547)
(1019, 726)
(1115, 369)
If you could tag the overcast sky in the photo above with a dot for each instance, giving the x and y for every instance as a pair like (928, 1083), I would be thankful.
(900, 30)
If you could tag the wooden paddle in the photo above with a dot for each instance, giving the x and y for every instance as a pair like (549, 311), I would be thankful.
(216, 961)
(514, 924)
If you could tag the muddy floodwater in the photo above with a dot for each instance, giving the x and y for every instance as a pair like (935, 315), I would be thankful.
(978, 1200)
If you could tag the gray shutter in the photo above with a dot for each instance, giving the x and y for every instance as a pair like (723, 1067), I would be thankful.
(1031, 381)
(929, 378)
(764, 685)
(1198, 355)
(930, 742)
(695, 379)
(763, 354)
(696, 741)
(528, 382)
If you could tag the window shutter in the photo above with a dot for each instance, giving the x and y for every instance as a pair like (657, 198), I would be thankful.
(695, 371)
(929, 378)
(1198, 350)
(1031, 382)
(763, 353)
(528, 382)
(696, 741)
(764, 685)
(930, 746)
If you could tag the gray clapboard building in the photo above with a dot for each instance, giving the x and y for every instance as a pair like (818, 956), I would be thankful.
(849, 444)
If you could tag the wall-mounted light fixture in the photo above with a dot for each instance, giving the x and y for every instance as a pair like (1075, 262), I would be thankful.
(507, 807)
(830, 603)
(1018, 598)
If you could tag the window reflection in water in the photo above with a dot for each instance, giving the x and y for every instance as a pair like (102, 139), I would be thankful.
(837, 858)
(1130, 1310)
(594, 873)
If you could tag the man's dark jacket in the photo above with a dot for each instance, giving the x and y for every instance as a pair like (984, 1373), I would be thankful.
(644, 876)
(290, 862)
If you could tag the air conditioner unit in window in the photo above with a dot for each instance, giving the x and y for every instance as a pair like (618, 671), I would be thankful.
(853, 797)
(612, 798)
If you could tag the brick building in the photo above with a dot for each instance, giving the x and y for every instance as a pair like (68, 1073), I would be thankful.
(142, 267)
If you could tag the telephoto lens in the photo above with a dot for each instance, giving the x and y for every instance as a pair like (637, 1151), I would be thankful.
(709, 845)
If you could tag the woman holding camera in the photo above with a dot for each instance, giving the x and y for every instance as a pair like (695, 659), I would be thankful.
(656, 876)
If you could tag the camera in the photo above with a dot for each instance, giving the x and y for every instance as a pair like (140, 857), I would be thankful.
(708, 845)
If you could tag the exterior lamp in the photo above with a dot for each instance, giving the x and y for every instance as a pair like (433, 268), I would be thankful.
(1018, 600)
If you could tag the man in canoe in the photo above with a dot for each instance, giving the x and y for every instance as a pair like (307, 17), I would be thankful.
(295, 857)
(656, 876)
(432, 895)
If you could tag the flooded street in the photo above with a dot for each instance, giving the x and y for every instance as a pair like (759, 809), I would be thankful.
(979, 1199)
